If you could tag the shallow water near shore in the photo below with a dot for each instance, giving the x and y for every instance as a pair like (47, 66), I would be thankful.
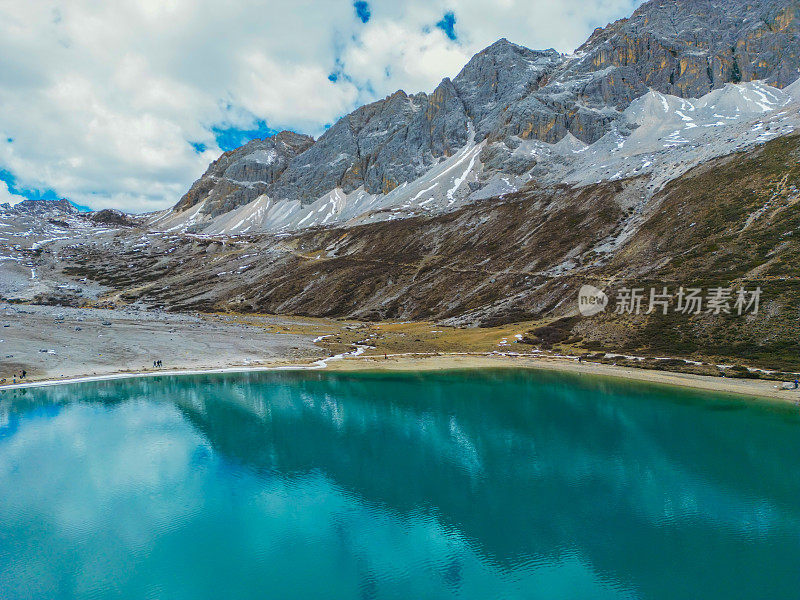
(463, 484)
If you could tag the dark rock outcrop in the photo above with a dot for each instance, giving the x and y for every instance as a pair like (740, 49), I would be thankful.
(112, 217)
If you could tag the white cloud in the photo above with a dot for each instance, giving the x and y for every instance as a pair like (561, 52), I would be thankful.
(389, 55)
(102, 100)
(7, 197)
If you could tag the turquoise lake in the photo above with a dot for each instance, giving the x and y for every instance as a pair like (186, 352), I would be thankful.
(472, 485)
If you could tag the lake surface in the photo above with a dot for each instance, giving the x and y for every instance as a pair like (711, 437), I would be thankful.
(485, 485)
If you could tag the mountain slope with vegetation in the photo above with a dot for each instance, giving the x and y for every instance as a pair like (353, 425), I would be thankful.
(732, 222)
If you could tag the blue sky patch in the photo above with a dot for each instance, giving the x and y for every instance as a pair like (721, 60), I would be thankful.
(362, 10)
(199, 147)
(230, 138)
(11, 182)
(337, 73)
(448, 25)
(80, 207)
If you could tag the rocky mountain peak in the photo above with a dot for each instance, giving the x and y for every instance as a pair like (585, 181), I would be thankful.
(296, 141)
(689, 47)
(42, 207)
(507, 92)
(241, 175)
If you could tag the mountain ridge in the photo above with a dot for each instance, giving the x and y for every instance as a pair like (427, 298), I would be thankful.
(505, 92)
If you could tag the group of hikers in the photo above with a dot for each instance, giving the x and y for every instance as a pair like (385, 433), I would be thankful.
(16, 375)
(157, 364)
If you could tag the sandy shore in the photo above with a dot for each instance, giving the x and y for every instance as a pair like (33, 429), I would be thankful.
(745, 387)
(741, 387)
(53, 343)
(62, 345)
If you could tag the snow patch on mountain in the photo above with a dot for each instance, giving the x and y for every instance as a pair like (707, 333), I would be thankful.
(658, 136)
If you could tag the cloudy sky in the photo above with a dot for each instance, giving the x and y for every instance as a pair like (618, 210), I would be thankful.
(123, 104)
